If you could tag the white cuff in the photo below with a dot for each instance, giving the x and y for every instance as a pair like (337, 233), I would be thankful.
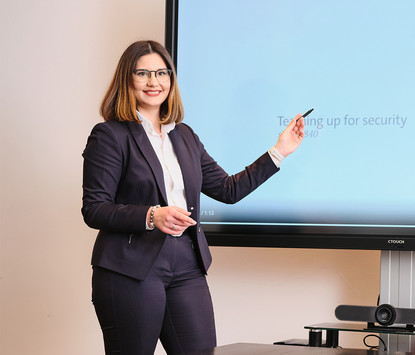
(276, 156)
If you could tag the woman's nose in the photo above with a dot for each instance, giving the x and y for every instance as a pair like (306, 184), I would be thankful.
(152, 80)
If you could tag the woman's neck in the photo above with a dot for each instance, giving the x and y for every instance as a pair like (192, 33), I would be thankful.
(154, 117)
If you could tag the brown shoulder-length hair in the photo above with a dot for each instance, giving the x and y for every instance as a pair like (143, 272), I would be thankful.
(119, 102)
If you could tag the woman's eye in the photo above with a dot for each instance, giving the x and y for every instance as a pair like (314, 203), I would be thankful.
(141, 73)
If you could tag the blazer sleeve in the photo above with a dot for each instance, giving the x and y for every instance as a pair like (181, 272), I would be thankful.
(103, 167)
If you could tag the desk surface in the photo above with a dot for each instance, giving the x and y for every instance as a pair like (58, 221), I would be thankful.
(266, 349)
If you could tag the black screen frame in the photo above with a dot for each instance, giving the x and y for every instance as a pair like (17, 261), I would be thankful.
(286, 236)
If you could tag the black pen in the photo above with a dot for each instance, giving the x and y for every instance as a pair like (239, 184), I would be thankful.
(306, 114)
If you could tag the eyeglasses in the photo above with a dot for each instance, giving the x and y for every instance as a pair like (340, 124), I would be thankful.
(143, 75)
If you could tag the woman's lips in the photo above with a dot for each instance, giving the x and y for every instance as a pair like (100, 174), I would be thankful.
(152, 92)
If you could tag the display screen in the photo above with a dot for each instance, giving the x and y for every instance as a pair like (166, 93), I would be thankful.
(245, 69)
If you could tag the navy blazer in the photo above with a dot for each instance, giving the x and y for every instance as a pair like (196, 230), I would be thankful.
(123, 177)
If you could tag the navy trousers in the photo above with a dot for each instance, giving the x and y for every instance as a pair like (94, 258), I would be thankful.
(172, 304)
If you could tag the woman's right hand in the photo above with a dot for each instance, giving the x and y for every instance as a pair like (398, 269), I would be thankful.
(291, 137)
(171, 220)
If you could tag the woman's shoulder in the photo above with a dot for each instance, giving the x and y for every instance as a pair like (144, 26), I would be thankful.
(188, 134)
(185, 128)
(111, 132)
(111, 124)
(113, 127)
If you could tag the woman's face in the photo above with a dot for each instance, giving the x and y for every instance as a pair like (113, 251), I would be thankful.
(149, 92)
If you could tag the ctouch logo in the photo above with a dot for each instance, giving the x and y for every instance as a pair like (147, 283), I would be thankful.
(396, 241)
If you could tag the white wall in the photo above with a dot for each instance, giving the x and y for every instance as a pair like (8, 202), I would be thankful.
(57, 58)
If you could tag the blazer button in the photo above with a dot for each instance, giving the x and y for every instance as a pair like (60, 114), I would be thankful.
(192, 208)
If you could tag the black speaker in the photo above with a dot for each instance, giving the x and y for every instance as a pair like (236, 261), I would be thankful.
(385, 314)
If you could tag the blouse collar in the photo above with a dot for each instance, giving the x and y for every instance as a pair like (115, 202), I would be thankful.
(149, 128)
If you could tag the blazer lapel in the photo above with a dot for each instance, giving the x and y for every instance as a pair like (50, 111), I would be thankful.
(186, 166)
(143, 143)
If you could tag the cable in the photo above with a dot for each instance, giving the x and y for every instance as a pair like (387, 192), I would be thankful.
(374, 347)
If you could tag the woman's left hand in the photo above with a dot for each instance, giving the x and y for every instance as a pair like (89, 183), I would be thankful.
(291, 137)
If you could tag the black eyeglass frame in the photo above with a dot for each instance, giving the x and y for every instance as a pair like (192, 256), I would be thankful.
(148, 72)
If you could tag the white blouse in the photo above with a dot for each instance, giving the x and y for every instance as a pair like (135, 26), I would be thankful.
(173, 178)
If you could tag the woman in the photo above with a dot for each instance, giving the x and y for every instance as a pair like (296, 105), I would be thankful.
(144, 171)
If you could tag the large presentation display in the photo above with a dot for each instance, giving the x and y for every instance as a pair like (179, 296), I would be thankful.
(245, 68)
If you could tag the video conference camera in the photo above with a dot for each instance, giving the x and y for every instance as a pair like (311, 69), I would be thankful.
(385, 315)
